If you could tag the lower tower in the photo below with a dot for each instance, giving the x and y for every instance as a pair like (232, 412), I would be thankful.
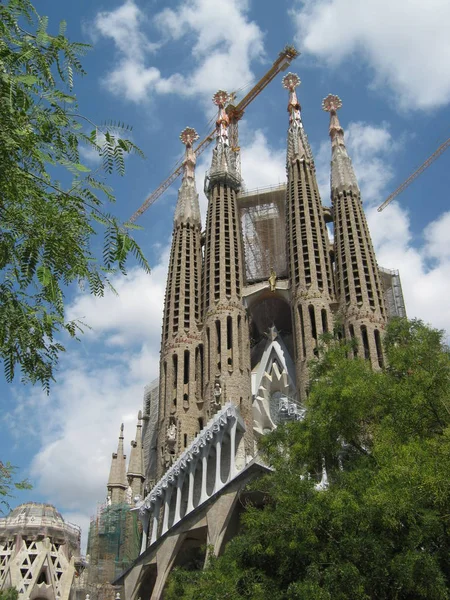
(358, 283)
(226, 337)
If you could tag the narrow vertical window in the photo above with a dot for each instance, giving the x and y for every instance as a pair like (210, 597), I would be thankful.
(302, 330)
(324, 320)
(175, 370)
(365, 341)
(200, 348)
(239, 327)
(354, 343)
(208, 341)
(164, 383)
(186, 367)
(312, 317)
(218, 345)
(379, 348)
(230, 342)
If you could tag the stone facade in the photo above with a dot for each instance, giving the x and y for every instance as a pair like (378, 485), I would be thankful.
(236, 347)
(39, 553)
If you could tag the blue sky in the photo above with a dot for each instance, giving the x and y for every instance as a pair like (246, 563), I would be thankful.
(155, 65)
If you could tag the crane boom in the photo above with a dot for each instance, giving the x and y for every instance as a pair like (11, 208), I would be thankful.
(416, 174)
(283, 60)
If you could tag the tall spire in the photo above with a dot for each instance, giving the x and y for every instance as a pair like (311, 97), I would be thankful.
(180, 406)
(117, 482)
(223, 164)
(358, 282)
(298, 145)
(309, 265)
(136, 475)
(188, 208)
(226, 338)
(342, 174)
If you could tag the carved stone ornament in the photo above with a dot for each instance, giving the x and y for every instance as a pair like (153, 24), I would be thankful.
(272, 280)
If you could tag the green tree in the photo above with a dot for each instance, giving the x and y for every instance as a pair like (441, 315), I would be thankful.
(9, 594)
(47, 227)
(8, 485)
(381, 528)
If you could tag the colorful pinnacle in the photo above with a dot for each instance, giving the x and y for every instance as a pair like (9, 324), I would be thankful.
(331, 103)
(220, 98)
(290, 81)
(188, 136)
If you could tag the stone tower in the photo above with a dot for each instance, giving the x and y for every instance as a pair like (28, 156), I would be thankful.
(117, 482)
(226, 337)
(181, 413)
(358, 283)
(309, 265)
(136, 475)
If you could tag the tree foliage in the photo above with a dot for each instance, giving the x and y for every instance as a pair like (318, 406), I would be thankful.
(46, 226)
(7, 484)
(9, 594)
(381, 530)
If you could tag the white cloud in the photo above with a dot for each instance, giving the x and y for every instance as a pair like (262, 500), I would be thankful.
(98, 387)
(438, 239)
(222, 53)
(405, 43)
(130, 76)
(262, 165)
(369, 146)
(226, 42)
(134, 315)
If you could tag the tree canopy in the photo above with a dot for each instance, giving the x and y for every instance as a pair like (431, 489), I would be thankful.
(51, 205)
(380, 530)
(9, 594)
(8, 484)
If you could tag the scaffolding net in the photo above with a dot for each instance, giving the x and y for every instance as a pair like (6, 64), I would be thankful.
(262, 215)
(113, 544)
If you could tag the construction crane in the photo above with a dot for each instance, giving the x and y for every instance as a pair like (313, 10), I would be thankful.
(416, 174)
(235, 113)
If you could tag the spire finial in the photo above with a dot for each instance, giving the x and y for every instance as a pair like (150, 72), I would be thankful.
(342, 174)
(332, 104)
(121, 432)
(220, 98)
(188, 137)
(290, 82)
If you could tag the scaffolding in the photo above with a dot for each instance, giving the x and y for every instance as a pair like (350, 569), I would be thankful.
(113, 545)
(262, 214)
(393, 293)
